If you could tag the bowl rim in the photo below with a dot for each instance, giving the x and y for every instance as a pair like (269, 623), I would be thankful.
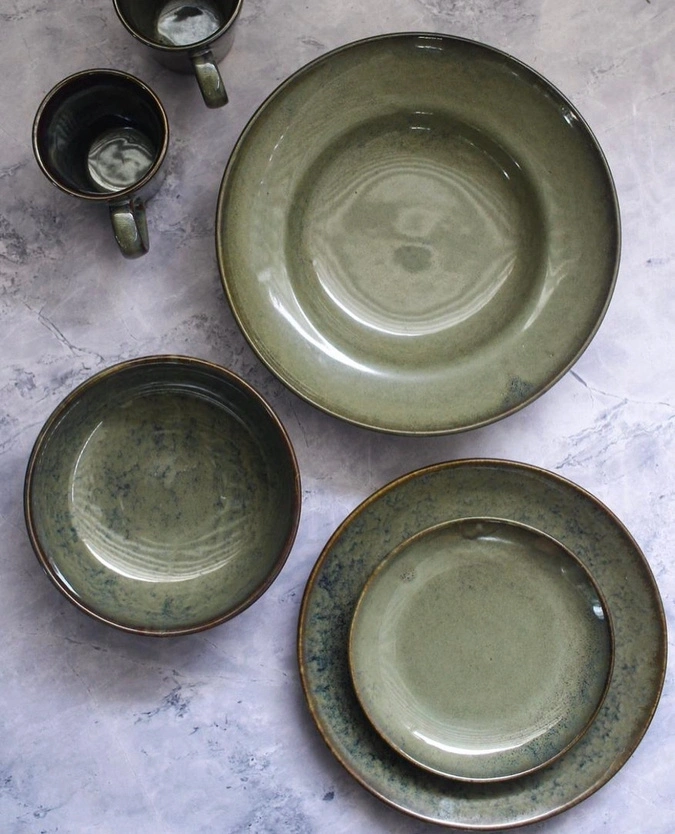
(64, 406)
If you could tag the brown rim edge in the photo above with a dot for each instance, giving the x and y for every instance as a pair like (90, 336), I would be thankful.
(616, 765)
(61, 409)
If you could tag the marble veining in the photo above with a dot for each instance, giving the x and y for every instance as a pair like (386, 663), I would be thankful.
(105, 732)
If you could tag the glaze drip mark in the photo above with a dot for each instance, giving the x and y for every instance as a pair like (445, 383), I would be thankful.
(519, 391)
(413, 258)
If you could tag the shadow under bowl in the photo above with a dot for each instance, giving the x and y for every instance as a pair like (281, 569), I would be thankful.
(162, 495)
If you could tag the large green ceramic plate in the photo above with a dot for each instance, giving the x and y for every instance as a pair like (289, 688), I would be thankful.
(522, 494)
(417, 233)
(480, 649)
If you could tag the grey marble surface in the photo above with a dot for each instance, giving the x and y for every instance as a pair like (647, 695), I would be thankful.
(106, 732)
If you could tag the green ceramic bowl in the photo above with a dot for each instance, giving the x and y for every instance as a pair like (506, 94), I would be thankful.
(162, 495)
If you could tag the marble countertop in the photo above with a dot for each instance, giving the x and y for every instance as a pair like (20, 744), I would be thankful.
(101, 731)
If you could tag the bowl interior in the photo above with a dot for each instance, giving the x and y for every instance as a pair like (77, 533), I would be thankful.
(163, 496)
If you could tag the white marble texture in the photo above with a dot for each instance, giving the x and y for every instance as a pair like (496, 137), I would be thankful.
(106, 732)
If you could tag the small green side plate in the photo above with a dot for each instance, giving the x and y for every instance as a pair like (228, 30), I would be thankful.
(162, 495)
(481, 649)
(525, 495)
(417, 233)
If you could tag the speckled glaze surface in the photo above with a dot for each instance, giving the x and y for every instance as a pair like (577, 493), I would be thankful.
(162, 495)
(480, 649)
(522, 494)
(417, 233)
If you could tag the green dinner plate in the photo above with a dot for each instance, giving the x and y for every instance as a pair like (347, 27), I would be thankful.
(481, 649)
(525, 495)
(418, 233)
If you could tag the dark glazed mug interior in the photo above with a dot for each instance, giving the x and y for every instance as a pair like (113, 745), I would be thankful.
(84, 107)
(168, 23)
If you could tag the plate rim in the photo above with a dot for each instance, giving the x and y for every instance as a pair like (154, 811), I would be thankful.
(396, 551)
(221, 234)
(616, 763)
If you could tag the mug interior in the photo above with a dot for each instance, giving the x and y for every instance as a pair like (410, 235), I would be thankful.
(100, 133)
(176, 23)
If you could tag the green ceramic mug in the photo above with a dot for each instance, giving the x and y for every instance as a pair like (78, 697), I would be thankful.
(185, 37)
(102, 135)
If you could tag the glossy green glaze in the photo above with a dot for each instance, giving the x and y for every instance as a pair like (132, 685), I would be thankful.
(480, 649)
(417, 233)
(518, 493)
(162, 496)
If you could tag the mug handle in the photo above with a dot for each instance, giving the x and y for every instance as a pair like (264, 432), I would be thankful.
(209, 79)
(130, 227)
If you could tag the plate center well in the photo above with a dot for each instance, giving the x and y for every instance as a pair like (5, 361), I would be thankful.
(414, 224)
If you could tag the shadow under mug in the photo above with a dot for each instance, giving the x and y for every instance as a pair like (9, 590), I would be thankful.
(185, 37)
(102, 135)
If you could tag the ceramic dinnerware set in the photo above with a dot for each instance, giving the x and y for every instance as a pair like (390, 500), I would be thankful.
(417, 234)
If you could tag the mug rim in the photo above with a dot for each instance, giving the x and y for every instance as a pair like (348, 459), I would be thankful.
(187, 48)
(103, 197)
